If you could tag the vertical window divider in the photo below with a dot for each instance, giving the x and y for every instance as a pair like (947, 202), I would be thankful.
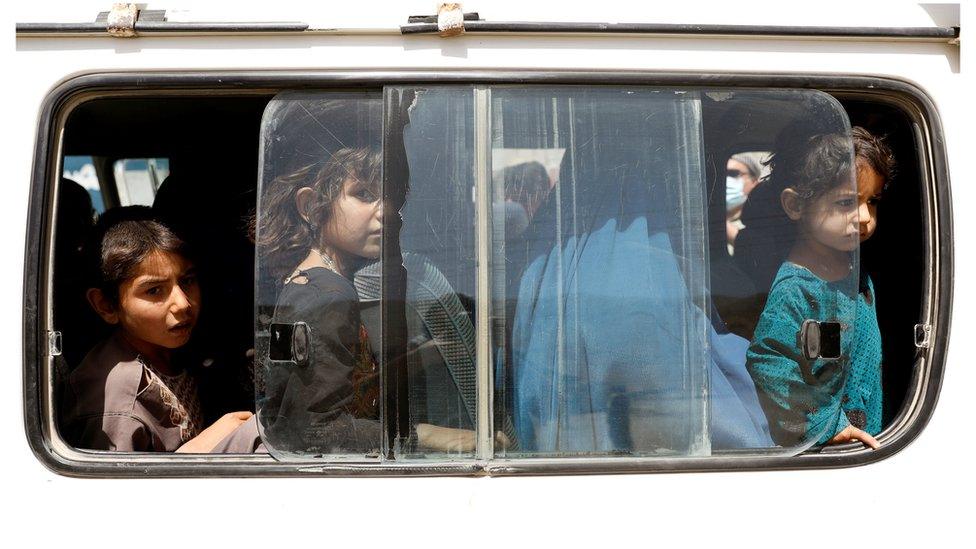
(396, 175)
(484, 448)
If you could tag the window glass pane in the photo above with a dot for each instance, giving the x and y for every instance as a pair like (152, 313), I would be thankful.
(599, 198)
(437, 240)
(320, 219)
(339, 318)
(622, 322)
(613, 343)
(786, 276)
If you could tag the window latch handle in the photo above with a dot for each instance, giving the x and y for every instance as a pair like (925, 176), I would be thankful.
(54, 343)
(820, 339)
(923, 336)
(289, 342)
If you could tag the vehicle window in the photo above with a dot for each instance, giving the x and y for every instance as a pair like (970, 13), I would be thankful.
(606, 279)
(606, 339)
(405, 310)
(320, 218)
(462, 273)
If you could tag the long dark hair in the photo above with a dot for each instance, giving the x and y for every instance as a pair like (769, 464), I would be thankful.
(284, 235)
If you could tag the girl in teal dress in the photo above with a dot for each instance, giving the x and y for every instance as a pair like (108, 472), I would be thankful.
(812, 400)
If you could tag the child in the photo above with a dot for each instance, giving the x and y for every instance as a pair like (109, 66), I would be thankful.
(318, 226)
(804, 399)
(129, 394)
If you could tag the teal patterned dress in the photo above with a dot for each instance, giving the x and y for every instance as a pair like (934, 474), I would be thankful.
(803, 399)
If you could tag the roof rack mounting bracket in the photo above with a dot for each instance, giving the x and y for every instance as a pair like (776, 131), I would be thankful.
(450, 20)
(121, 22)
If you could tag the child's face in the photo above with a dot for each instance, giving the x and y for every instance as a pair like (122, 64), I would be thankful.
(356, 225)
(869, 187)
(831, 219)
(160, 304)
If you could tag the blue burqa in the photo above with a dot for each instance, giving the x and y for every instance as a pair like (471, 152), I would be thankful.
(609, 352)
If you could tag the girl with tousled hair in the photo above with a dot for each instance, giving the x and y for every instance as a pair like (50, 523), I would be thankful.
(769, 234)
(317, 225)
(287, 234)
(825, 401)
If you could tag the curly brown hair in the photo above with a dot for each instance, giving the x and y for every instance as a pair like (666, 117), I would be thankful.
(284, 235)
(812, 166)
(872, 151)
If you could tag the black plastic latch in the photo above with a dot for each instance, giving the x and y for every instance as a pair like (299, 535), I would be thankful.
(820, 339)
(289, 342)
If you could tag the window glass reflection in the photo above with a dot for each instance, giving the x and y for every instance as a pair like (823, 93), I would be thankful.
(605, 283)
(437, 240)
(614, 344)
(320, 219)
(624, 319)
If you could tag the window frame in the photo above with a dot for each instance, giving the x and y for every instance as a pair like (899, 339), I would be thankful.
(61, 458)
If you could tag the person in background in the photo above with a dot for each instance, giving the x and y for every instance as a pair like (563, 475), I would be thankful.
(526, 185)
(743, 172)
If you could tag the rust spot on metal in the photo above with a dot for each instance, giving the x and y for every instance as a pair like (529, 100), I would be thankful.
(450, 20)
(122, 20)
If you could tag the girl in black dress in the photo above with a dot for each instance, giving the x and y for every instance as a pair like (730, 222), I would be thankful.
(318, 225)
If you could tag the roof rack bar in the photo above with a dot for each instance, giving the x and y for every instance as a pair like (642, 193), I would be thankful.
(162, 27)
(471, 24)
(926, 33)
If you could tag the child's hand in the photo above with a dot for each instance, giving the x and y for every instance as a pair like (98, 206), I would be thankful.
(230, 421)
(852, 433)
(209, 437)
(445, 439)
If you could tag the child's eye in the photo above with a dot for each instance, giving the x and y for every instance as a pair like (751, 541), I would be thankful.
(154, 290)
(189, 280)
(874, 200)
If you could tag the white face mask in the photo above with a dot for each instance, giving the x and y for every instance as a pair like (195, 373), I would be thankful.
(735, 194)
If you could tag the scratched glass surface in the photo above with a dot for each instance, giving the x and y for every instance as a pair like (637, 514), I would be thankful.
(437, 241)
(613, 289)
(333, 385)
(317, 364)
(600, 229)
(622, 320)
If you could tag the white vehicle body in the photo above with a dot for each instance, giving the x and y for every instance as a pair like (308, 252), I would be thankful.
(919, 496)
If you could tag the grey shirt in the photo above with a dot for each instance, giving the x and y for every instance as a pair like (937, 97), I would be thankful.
(112, 401)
